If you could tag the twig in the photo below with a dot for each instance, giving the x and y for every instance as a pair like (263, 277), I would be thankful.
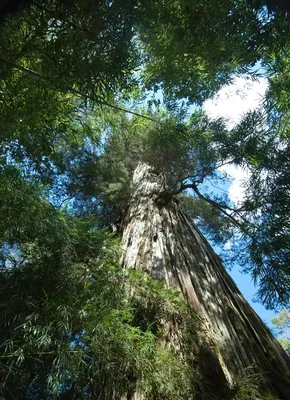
(38, 353)
(76, 92)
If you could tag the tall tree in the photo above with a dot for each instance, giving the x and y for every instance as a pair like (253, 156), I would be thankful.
(160, 240)
(170, 324)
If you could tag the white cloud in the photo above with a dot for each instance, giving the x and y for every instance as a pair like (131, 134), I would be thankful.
(232, 102)
(228, 245)
(239, 176)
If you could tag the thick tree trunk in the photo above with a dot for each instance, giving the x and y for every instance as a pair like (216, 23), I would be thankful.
(159, 239)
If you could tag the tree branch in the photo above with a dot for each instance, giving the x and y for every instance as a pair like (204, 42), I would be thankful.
(221, 208)
(76, 92)
(218, 206)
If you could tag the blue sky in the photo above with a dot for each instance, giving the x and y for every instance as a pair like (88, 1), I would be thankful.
(248, 289)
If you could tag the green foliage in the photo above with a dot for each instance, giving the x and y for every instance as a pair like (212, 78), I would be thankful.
(81, 328)
(283, 320)
(210, 220)
(162, 310)
(57, 60)
(163, 383)
(282, 323)
(73, 47)
(180, 150)
(248, 387)
(193, 47)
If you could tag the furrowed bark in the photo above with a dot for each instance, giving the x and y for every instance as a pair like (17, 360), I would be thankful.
(159, 239)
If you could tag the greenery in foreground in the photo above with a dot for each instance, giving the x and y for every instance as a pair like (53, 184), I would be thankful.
(73, 325)
(70, 328)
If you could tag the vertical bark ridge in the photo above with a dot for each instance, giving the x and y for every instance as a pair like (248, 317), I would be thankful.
(162, 241)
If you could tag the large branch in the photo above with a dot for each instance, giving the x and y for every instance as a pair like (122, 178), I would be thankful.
(222, 208)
